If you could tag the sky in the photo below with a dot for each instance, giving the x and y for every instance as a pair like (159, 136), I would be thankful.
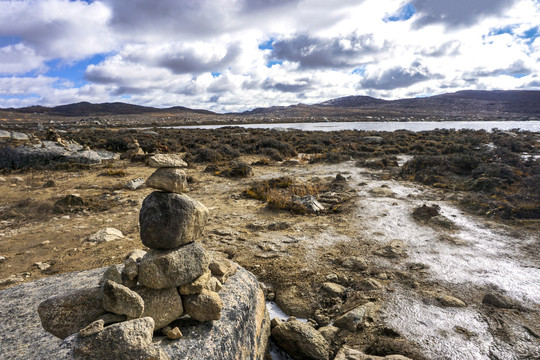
(236, 55)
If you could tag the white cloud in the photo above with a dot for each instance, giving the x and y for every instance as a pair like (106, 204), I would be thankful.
(163, 53)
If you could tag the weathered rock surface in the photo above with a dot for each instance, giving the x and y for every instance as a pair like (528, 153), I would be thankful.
(166, 160)
(355, 318)
(241, 333)
(170, 220)
(346, 353)
(173, 268)
(301, 341)
(168, 179)
(295, 302)
(333, 289)
(126, 340)
(106, 235)
(164, 306)
(49, 152)
(205, 306)
(120, 300)
(63, 315)
(450, 301)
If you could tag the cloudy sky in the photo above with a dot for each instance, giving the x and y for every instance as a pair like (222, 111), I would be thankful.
(235, 55)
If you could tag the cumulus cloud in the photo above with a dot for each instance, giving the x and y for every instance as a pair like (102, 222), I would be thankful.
(19, 59)
(234, 55)
(457, 12)
(316, 53)
(396, 77)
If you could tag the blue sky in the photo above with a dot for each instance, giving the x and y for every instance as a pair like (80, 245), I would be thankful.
(235, 55)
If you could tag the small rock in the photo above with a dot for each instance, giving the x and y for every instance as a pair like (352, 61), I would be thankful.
(197, 286)
(329, 332)
(356, 318)
(113, 273)
(394, 249)
(69, 203)
(106, 235)
(383, 192)
(310, 203)
(134, 184)
(41, 265)
(332, 277)
(64, 315)
(346, 353)
(213, 285)
(369, 284)
(49, 184)
(173, 268)
(121, 300)
(355, 263)
(173, 333)
(450, 301)
(166, 160)
(164, 306)
(301, 341)
(333, 289)
(275, 322)
(10, 280)
(222, 268)
(294, 301)
(498, 301)
(205, 306)
(426, 212)
(46, 242)
(131, 267)
(168, 179)
(2, 259)
(169, 220)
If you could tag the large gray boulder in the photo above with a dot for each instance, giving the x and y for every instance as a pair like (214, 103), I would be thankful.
(63, 315)
(169, 220)
(241, 333)
(168, 179)
(173, 268)
(164, 306)
(127, 340)
(301, 341)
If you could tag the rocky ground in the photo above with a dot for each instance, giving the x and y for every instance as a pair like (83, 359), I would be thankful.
(437, 285)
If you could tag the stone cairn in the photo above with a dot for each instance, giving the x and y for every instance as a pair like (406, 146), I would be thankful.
(117, 319)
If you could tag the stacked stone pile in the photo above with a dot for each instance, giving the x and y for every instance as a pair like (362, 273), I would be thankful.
(151, 289)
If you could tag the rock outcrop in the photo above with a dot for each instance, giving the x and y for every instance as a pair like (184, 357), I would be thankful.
(241, 333)
(173, 286)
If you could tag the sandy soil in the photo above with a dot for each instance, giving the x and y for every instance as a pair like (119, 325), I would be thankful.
(461, 256)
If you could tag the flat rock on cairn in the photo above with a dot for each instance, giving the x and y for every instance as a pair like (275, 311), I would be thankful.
(166, 160)
(172, 286)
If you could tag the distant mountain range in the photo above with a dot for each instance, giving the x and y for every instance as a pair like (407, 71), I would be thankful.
(470, 103)
(116, 108)
(465, 105)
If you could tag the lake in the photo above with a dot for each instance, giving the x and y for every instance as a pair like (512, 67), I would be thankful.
(387, 126)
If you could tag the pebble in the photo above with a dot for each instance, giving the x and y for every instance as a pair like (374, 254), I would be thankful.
(2, 259)
(65, 217)
(41, 266)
